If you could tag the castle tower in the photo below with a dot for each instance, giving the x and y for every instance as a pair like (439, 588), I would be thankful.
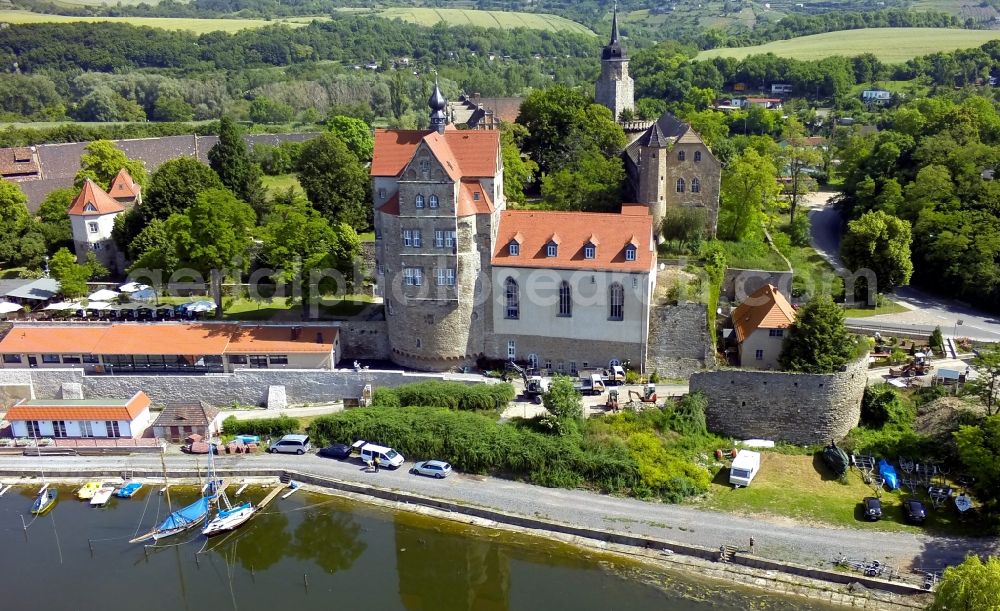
(615, 88)
(651, 188)
(437, 103)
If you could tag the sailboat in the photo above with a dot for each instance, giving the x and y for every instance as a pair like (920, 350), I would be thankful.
(46, 498)
(186, 518)
(228, 517)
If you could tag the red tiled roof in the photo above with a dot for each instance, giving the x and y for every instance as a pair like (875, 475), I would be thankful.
(92, 200)
(278, 340)
(172, 339)
(536, 229)
(635, 209)
(473, 153)
(82, 410)
(18, 162)
(123, 186)
(52, 340)
(765, 308)
(468, 204)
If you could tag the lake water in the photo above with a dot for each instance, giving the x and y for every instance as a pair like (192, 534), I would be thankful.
(314, 551)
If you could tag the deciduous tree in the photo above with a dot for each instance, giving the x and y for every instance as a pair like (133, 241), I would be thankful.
(237, 170)
(53, 222)
(335, 181)
(970, 586)
(798, 158)
(71, 275)
(749, 188)
(517, 170)
(101, 162)
(880, 242)
(356, 134)
(986, 385)
(818, 341)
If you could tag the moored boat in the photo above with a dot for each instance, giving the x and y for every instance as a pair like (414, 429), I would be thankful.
(229, 519)
(45, 501)
(103, 494)
(86, 491)
(128, 490)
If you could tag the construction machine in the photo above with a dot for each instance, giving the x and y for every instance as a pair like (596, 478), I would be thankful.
(648, 394)
(534, 384)
(612, 402)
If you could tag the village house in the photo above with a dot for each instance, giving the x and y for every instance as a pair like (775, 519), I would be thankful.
(177, 421)
(760, 323)
(80, 418)
(165, 348)
(92, 218)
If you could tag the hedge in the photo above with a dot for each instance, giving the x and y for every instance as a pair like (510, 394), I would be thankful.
(453, 395)
(265, 427)
(475, 443)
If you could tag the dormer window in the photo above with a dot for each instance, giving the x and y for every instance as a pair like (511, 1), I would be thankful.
(630, 253)
(475, 196)
(551, 249)
(513, 249)
(418, 201)
(589, 251)
(89, 208)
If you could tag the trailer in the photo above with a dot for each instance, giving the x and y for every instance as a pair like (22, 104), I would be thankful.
(744, 468)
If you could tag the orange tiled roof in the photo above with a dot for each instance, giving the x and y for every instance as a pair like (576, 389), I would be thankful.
(536, 229)
(80, 410)
(93, 200)
(468, 204)
(271, 340)
(474, 153)
(162, 338)
(765, 308)
(123, 186)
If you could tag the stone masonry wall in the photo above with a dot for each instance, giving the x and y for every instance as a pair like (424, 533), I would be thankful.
(247, 386)
(678, 340)
(795, 407)
(364, 340)
(740, 283)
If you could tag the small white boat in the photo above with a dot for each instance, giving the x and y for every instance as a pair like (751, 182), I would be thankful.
(229, 519)
(103, 494)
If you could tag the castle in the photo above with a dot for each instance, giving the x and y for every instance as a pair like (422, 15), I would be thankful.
(465, 279)
(667, 163)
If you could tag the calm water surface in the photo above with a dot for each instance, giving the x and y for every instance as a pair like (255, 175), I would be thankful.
(352, 555)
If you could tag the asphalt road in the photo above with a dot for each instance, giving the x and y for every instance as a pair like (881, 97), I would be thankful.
(780, 539)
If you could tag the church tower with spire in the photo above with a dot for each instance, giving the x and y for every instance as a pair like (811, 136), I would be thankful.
(615, 88)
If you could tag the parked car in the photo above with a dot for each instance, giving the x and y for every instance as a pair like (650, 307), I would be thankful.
(291, 444)
(872, 508)
(387, 457)
(432, 468)
(337, 450)
(915, 511)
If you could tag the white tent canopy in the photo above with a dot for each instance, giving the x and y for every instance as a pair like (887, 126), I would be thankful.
(7, 307)
(103, 295)
(132, 287)
(98, 305)
(63, 305)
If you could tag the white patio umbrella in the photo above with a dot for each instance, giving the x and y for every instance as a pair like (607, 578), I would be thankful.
(199, 306)
(103, 295)
(7, 307)
(63, 305)
(98, 305)
(132, 287)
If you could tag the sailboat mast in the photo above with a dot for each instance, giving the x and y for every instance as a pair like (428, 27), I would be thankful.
(166, 484)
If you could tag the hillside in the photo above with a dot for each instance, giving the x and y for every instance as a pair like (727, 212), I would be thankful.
(486, 19)
(198, 26)
(888, 44)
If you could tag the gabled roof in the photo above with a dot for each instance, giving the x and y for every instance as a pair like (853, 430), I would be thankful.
(193, 414)
(572, 231)
(80, 409)
(469, 204)
(123, 187)
(93, 201)
(18, 163)
(666, 131)
(474, 153)
(41, 289)
(765, 308)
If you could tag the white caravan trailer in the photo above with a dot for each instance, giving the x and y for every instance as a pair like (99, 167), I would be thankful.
(745, 468)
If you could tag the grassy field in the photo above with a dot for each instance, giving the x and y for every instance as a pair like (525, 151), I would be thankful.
(802, 488)
(198, 26)
(281, 183)
(888, 44)
(889, 307)
(486, 19)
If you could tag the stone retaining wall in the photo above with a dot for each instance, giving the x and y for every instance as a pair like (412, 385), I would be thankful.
(795, 407)
(247, 386)
(366, 340)
(678, 340)
(738, 284)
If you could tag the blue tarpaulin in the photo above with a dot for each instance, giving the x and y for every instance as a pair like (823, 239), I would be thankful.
(888, 474)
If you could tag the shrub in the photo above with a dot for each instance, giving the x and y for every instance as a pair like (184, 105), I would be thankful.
(882, 405)
(937, 341)
(632, 377)
(654, 378)
(265, 427)
(453, 395)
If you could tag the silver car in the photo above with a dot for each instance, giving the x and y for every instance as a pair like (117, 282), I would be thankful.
(291, 444)
(432, 468)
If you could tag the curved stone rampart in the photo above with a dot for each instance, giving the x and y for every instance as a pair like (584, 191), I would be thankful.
(799, 408)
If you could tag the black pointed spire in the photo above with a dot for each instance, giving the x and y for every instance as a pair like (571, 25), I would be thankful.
(437, 104)
(614, 49)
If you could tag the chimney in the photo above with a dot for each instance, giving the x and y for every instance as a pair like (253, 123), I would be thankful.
(296, 332)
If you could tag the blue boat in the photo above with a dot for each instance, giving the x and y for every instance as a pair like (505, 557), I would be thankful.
(128, 490)
(180, 520)
(45, 501)
(888, 473)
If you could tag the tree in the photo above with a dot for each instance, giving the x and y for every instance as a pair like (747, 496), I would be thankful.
(71, 275)
(356, 134)
(683, 224)
(175, 185)
(14, 221)
(335, 181)
(53, 222)
(978, 448)
(563, 402)
(237, 170)
(172, 108)
(879, 242)
(749, 188)
(593, 183)
(101, 162)
(970, 586)
(518, 170)
(265, 110)
(798, 159)
(153, 249)
(213, 237)
(818, 341)
(986, 385)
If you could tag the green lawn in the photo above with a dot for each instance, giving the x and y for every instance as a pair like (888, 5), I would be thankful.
(889, 307)
(485, 19)
(198, 26)
(802, 488)
(281, 183)
(891, 45)
(279, 308)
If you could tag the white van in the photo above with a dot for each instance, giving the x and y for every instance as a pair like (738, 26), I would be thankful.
(387, 457)
(745, 468)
